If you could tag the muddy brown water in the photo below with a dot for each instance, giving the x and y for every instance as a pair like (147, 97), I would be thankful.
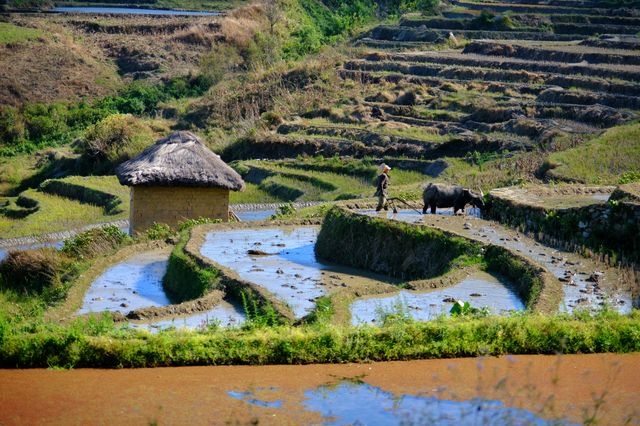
(573, 269)
(521, 390)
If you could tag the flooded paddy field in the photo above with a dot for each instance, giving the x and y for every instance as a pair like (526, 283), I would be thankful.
(523, 390)
(136, 283)
(480, 289)
(585, 283)
(132, 284)
(282, 260)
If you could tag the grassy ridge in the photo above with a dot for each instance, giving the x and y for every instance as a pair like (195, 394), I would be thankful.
(604, 160)
(394, 248)
(98, 344)
(10, 33)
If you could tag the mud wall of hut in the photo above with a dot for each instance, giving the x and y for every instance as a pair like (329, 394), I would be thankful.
(172, 205)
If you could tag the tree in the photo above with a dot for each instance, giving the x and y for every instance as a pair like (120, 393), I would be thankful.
(273, 13)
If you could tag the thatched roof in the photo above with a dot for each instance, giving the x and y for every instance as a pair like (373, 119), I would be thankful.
(181, 159)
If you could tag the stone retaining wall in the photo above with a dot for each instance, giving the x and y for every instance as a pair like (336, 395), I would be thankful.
(611, 229)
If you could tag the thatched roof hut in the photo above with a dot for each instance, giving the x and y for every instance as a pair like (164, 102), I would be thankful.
(181, 159)
(178, 178)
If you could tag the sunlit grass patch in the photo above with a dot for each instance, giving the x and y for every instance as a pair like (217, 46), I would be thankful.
(54, 214)
(602, 160)
(10, 33)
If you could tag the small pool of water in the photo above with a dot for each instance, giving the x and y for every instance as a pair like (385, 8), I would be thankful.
(480, 290)
(131, 11)
(224, 315)
(255, 215)
(132, 284)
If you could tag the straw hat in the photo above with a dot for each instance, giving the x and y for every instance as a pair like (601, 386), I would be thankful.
(383, 168)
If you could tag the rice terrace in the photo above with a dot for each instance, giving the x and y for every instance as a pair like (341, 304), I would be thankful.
(312, 212)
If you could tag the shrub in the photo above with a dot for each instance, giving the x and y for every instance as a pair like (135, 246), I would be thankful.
(32, 270)
(11, 125)
(45, 122)
(284, 211)
(222, 59)
(95, 242)
(113, 140)
(271, 119)
(159, 231)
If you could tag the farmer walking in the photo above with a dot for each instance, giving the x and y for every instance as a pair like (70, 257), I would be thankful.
(381, 186)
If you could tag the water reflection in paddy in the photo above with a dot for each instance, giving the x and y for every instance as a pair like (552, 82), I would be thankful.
(289, 270)
(255, 215)
(132, 284)
(480, 290)
(358, 403)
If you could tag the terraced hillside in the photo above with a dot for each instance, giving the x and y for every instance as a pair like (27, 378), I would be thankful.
(486, 90)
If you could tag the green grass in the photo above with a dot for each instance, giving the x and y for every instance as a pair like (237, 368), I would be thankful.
(318, 179)
(602, 160)
(10, 33)
(108, 184)
(252, 194)
(97, 343)
(419, 133)
(59, 214)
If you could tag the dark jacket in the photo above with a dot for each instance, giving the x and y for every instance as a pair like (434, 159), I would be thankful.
(382, 184)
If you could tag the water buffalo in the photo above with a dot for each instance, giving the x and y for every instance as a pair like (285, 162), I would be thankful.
(443, 195)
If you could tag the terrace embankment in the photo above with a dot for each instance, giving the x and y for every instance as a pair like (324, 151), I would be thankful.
(411, 251)
(436, 88)
(575, 216)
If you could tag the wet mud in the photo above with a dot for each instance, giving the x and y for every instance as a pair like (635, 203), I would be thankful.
(586, 285)
(480, 290)
(538, 389)
(133, 284)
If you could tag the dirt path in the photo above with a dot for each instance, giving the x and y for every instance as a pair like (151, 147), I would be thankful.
(548, 387)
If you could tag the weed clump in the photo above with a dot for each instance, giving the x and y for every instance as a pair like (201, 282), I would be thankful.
(33, 271)
(159, 231)
(95, 242)
(113, 140)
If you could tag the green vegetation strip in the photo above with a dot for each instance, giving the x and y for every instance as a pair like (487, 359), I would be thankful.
(91, 346)
(186, 278)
